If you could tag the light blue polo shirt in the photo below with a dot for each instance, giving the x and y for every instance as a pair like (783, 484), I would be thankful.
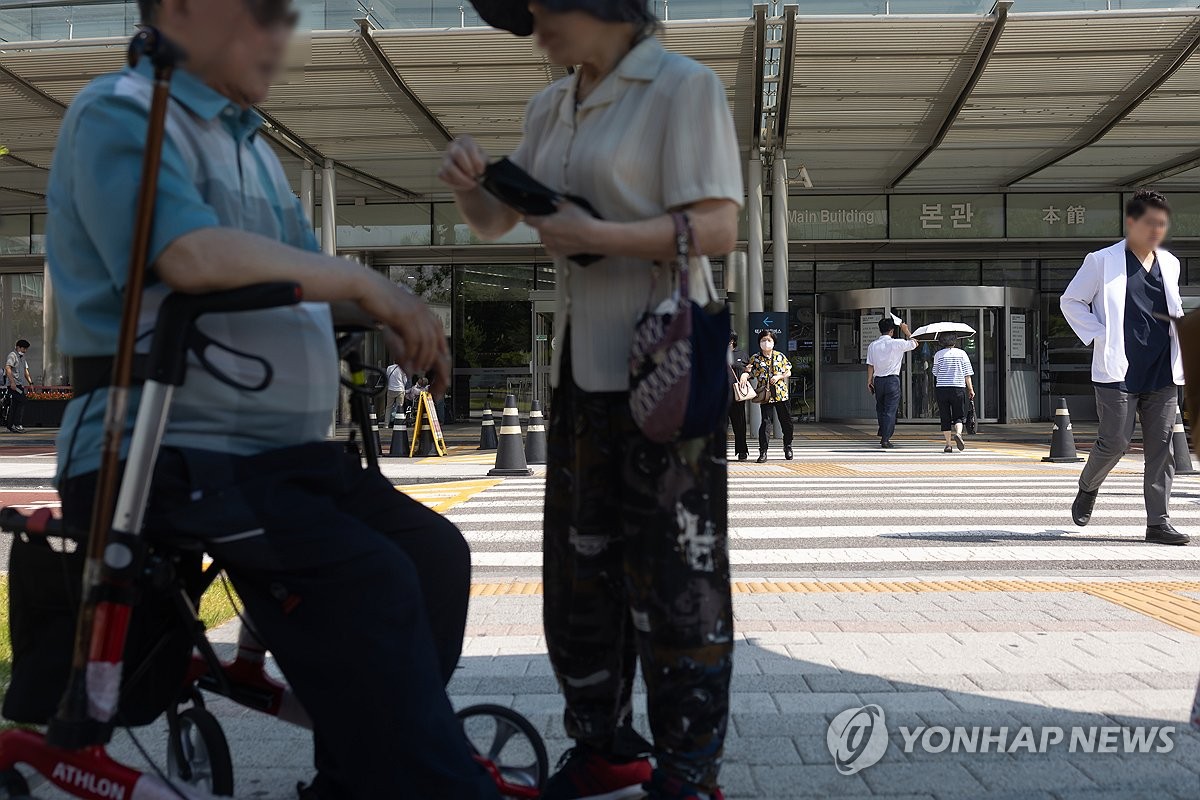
(216, 172)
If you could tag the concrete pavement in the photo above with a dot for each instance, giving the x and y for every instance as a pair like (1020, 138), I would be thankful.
(950, 591)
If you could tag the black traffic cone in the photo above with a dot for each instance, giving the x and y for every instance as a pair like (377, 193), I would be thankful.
(1179, 444)
(400, 443)
(510, 455)
(1062, 441)
(487, 431)
(535, 441)
(378, 443)
(425, 446)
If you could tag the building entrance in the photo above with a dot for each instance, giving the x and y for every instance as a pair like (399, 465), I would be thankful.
(1004, 350)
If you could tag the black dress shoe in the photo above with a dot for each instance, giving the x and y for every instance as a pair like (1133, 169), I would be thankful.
(1081, 509)
(1165, 534)
(762, 458)
(887, 445)
(787, 452)
(743, 456)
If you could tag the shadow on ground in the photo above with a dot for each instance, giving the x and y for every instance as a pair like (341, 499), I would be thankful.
(777, 744)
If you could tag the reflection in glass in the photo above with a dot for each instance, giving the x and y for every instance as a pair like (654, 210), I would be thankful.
(493, 336)
(21, 310)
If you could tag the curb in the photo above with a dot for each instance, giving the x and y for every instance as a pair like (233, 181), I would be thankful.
(46, 483)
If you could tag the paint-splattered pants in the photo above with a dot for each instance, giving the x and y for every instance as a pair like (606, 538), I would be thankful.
(637, 567)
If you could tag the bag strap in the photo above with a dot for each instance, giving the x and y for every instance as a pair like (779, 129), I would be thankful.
(684, 239)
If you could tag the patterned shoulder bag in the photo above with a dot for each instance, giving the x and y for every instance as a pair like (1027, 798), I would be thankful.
(679, 385)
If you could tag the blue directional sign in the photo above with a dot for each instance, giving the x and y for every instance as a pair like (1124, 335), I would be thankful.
(774, 321)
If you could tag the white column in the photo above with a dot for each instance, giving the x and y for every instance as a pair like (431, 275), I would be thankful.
(779, 246)
(754, 256)
(779, 235)
(307, 199)
(735, 279)
(754, 265)
(328, 209)
(51, 361)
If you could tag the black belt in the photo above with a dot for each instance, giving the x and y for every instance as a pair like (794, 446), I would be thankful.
(95, 372)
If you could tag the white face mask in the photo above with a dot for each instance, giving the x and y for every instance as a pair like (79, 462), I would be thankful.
(766, 345)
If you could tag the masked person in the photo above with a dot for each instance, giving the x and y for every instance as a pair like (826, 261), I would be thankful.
(636, 563)
(17, 380)
(359, 591)
(771, 370)
(1120, 302)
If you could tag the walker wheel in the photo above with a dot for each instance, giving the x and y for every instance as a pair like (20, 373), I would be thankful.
(198, 753)
(509, 741)
(13, 785)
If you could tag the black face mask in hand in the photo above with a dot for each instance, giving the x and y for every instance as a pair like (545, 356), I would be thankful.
(517, 189)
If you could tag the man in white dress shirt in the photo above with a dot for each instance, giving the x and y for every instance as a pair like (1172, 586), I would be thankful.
(885, 356)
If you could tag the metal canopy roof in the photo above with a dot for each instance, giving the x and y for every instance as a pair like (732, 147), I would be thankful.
(903, 103)
(1063, 100)
(381, 104)
(868, 95)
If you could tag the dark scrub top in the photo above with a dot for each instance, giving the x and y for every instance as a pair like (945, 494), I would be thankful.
(1147, 336)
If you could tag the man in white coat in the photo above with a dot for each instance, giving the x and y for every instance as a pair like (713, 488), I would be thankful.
(1119, 302)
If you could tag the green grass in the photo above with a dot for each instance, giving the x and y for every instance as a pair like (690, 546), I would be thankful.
(5, 637)
(215, 609)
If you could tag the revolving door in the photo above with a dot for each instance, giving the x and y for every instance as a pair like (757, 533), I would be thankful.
(1003, 352)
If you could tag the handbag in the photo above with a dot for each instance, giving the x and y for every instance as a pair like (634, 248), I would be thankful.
(972, 425)
(678, 362)
(762, 396)
(743, 392)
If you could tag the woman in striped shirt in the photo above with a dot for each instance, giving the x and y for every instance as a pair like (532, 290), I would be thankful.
(953, 371)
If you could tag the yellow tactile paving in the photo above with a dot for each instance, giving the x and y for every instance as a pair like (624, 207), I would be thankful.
(1158, 600)
(1163, 605)
(822, 469)
(444, 496)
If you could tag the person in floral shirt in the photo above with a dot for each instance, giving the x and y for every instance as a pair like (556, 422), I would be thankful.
(771, 370)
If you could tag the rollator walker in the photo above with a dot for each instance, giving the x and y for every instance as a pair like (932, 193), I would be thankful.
(122, 563)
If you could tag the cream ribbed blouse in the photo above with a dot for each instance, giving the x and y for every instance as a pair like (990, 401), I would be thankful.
(656, 134)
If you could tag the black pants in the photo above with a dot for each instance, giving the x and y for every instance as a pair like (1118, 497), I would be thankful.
(952, 403)
(769, 410)
(887, 402)
(359, 591)
(16, 408)
(737, 418)
(637, 568)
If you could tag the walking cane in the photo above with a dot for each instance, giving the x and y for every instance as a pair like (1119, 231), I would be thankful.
(103, 616)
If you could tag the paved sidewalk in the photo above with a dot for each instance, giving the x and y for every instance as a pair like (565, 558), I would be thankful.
(957, 595)
(925, 657)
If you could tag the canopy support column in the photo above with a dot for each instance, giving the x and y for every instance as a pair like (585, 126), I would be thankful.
(307, 187)
(329, 209)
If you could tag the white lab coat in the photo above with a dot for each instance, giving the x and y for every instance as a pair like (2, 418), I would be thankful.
(1094, 305)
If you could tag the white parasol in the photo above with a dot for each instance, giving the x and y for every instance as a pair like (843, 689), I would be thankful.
(960, 329)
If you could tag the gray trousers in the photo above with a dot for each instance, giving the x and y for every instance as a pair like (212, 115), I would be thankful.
(1118, 411)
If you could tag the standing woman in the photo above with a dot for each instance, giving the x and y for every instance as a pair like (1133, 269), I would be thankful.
(636, 563)
(771, 370)
(953, 372)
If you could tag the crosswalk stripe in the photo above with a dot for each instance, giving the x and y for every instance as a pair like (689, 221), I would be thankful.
(1120, 534)
(883, 516)
(890, 521)
(909, 556)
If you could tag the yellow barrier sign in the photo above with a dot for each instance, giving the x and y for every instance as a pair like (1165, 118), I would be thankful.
(427, 418)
